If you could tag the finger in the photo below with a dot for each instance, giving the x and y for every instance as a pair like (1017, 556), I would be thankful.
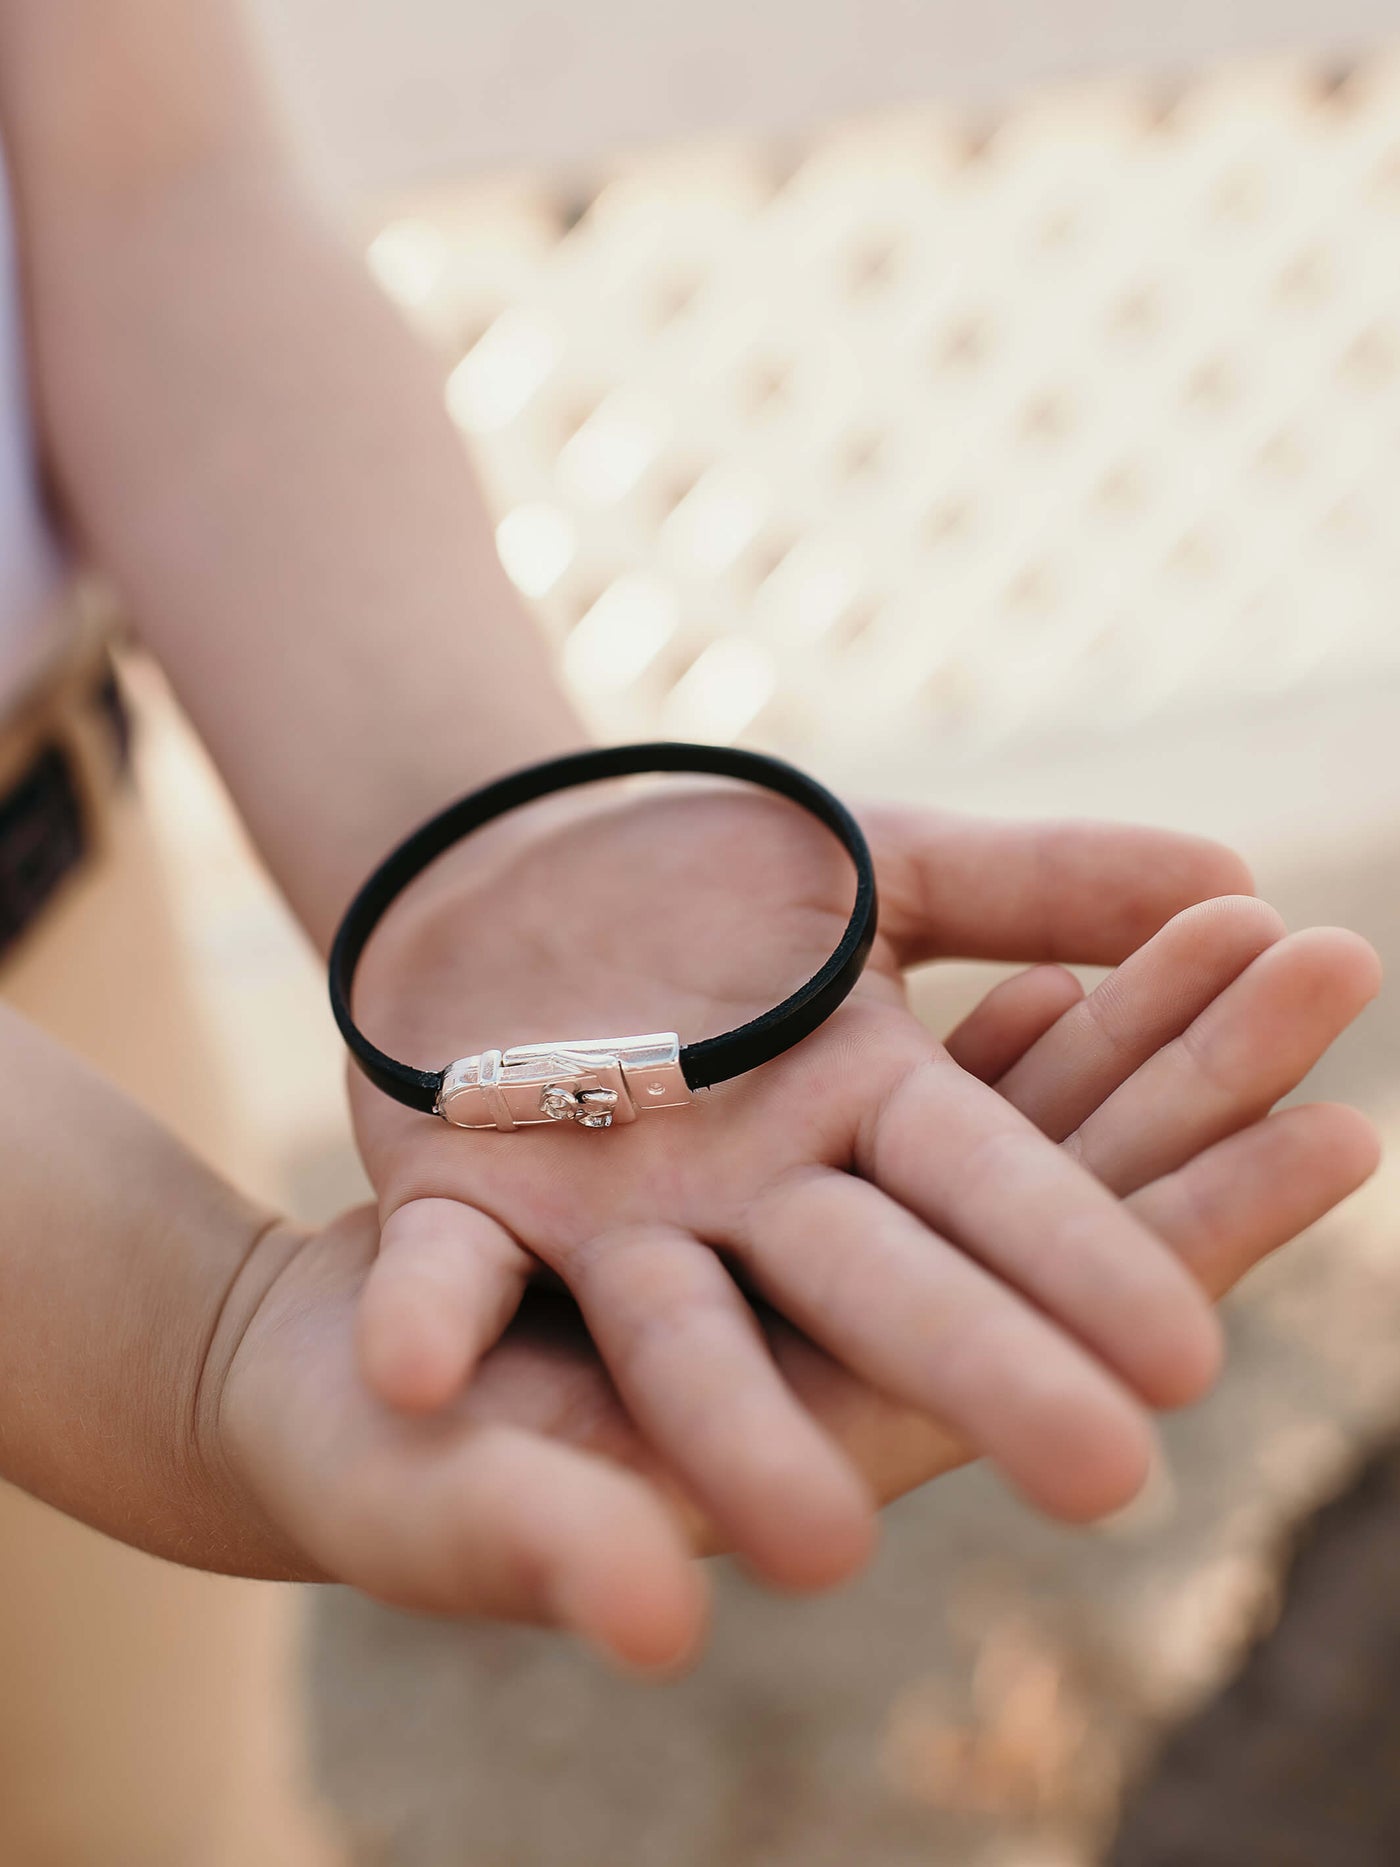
(1142, 1005)
(1246, 1196)
(1087, 893)
(895, 1447)
(446, 1282)
(498, 1522)
(1012, 1017)
(1253, 1045)
(920, 1321)
(1222, 1214)
(693, 1369)
(975, 1170)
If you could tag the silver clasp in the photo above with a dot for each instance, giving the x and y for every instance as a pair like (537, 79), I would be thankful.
(598, 1082)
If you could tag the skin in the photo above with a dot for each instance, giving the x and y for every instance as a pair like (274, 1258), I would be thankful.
(921, 1233)
(544, 1489)
(251, 448)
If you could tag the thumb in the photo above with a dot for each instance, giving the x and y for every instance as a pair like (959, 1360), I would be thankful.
(446, 1283)
(1083, 893)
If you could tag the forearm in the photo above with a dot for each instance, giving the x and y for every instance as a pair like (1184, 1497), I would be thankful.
(125, 1268)
(258, 453)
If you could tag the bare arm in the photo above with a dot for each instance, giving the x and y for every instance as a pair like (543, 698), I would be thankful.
(120, 1257)
(176, 1369)
(251, 445)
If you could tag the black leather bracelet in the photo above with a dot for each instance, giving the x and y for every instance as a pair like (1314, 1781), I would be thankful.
(598, 1082)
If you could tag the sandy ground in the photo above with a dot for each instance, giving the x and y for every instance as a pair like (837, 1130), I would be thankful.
(1294, 1763)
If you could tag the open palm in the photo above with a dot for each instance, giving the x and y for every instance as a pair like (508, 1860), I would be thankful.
(951, 1279)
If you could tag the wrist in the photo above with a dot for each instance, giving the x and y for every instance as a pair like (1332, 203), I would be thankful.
(241, 1537)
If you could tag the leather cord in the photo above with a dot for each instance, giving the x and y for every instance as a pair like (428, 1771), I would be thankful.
(713, 1059)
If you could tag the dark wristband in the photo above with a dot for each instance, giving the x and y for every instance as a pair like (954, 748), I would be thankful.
(598, 1081)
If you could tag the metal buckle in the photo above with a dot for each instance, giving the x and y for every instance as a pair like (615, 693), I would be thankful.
(597, 1082)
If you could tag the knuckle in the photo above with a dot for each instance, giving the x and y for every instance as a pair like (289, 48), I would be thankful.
(890, 1103)
(1204, 1054)
(1108, 1011)
(1019, 1162)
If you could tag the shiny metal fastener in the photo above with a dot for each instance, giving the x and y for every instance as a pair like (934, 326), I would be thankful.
(597, 1082)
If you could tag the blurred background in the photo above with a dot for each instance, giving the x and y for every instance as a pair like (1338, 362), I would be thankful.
(998, 406)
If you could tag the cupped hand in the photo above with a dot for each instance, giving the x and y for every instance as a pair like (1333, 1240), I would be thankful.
(916, 1224)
